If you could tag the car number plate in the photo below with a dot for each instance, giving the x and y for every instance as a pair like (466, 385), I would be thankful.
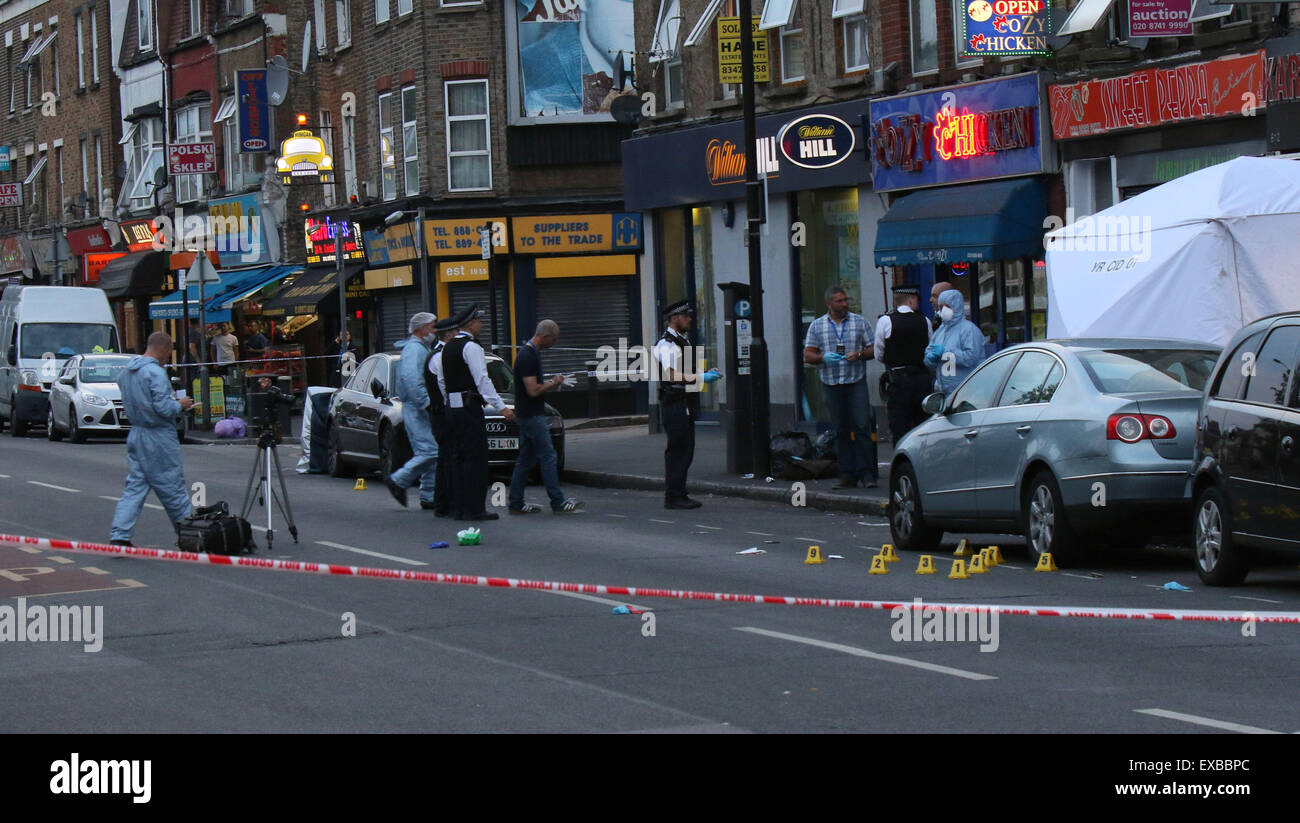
(499, 444)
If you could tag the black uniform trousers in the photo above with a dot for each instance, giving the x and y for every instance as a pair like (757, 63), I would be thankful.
(678, 421)
(906, 393)
(443, 472)
(469, 470)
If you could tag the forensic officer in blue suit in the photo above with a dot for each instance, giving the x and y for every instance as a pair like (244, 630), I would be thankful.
(153, 452)
(413, 393)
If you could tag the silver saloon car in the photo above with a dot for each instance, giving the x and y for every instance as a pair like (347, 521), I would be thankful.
(1066, 442)
(85, 400)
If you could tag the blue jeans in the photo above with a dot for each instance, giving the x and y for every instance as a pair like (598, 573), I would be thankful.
(851, 415)
(153, 459)
(422, 466)
(535, 448)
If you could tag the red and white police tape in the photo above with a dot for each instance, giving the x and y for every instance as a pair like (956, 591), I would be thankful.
(631, 592)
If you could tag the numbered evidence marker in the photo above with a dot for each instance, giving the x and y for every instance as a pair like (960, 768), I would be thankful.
(926, 565)
(815, 557)
(878, 565)
(887, 552)
(958, 571)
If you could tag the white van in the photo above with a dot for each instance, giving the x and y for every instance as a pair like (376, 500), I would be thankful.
(40, 328)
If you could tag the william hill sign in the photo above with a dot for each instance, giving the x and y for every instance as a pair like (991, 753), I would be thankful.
(817, 141)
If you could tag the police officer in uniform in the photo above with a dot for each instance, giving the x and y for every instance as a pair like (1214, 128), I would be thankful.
(679, 402)
(461, 368)
(901, 338)
(444, 330)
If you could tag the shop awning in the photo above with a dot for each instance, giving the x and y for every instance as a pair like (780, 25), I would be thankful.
(303, 295)
(219, 297)
(92, 239)
(137, 274)
(1000, 220)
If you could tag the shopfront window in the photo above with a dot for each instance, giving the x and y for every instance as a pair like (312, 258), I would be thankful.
(672, 224)
(1014, 285)
(986, 314)
(1038, 316)
(830, 256)
(707, 333)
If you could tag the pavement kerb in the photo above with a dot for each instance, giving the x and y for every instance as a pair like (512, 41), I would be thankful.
(774, 493)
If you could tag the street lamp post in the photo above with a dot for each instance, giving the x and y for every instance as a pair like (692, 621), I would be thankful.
(423, 259)
(753, 221)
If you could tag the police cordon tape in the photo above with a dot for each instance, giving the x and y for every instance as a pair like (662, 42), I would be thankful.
(631, 592)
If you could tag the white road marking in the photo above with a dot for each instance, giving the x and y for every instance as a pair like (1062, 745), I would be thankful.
(4, 476)
(1009, 566)
(62, 560)
(1083, 576)
(132, 584)
(811, 539)
(702, 526)
(93, 570)
(594, 599)
(761, 534)
(1260, 599)
(106, 497)
(853, 650)
(624, 516)
(369, 553)
(669, 522)
(154, 506)
(1206, 721)
(52, 486)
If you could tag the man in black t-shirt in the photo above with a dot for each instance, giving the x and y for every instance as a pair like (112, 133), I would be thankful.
(534, 426)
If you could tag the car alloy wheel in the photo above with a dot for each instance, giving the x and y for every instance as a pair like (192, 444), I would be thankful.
(904, 508)
(334, 458)
(1209, 535)
(1219, 560)
(74, 431)
(1042, 520)
(52, 430)
(907, 524)
(17, 426)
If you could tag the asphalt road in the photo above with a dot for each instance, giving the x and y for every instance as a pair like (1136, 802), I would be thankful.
(193, 649)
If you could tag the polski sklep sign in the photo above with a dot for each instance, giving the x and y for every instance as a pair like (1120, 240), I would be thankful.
(1160, 18)
(817, 141)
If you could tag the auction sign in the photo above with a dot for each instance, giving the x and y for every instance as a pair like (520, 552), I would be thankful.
(1160, 18)
(1005, 27)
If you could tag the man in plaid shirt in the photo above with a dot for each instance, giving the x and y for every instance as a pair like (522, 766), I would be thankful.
(839, 343)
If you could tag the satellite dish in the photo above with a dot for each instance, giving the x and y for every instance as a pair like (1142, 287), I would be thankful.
(626, 73)
(626, 109)
(121, 170)
(159, 177)
(277, 80)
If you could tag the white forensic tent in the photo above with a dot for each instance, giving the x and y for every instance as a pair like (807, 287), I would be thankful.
(1196, 258)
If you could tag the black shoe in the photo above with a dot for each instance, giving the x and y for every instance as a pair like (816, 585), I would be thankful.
(682, 503)
(425, 504)
(846, 482)
(126, 543)
(527, 508)
(482, 516)
(441, 512)
(398, 493)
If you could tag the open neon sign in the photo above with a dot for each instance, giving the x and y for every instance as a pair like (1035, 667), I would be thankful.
(958, 136)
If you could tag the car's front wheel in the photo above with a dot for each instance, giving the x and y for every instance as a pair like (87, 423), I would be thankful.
(51, 429)
(1047, 530)
(1219, 560)
(75, 434)
(906, 520)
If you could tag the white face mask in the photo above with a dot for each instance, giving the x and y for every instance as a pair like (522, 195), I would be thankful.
(945, 313)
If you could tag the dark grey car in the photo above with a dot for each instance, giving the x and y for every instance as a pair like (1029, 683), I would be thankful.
(365, 420)
(1056, 440)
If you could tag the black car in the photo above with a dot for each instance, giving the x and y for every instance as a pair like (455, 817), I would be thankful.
(365, 420)
(1246, 477)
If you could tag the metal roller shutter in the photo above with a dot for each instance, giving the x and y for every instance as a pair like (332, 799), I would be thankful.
(591, 311)
(463, 295)
(396, 306)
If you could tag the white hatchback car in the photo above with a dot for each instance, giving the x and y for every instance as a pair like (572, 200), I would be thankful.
(85, 400)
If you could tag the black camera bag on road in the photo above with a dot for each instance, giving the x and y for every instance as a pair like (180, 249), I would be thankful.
(214, 530)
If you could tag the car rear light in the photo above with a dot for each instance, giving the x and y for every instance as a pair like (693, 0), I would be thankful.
(1131, 428)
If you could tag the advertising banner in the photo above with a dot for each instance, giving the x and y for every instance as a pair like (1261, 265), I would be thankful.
(568, 54)
(254, 111)
(1160, 18)
(1005, 27)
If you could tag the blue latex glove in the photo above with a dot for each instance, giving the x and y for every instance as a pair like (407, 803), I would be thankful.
(833, 357)
(935, 350)
(711, 376)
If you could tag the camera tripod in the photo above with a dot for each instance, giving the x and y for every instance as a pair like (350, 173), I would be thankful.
(259, 481)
